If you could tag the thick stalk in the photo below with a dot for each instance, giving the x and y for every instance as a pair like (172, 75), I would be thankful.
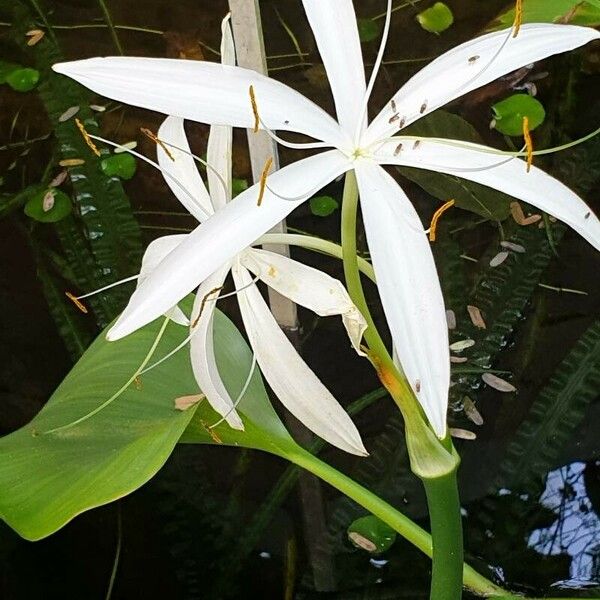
(395, 519)
(425, 450)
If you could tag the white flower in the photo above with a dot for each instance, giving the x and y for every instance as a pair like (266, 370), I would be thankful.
(289, 376)
(402, 259)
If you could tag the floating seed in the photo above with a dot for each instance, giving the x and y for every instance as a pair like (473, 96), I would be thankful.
(185, 402)
(497, 383)
(451, 319)
(35, 35)
(462, 434)
(127, 146)
(71, 162)
(458, 359)
(48, 201)
(514, 247)
(471, 411)
(499, 258)
(476, 317)
(59, 179)
(462, 345)
(97, 107)
(69, 113)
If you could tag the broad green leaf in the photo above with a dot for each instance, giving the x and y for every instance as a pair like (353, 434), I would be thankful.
(22, 79)
(469, 196)
(574, 12)
(323, 206)
(368, 29)
(436, 18)
(48, 478)
(48, 206)
(6, 68)
(509, 114)
(121, 165)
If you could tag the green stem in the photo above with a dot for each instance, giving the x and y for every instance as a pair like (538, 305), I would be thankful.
(111, 27)
(446, 531)
(395, 519)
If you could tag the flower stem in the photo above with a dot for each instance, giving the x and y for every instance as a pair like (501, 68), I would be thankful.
(435, 462)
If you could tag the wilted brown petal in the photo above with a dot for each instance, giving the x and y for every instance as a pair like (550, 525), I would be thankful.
(471, 411)
(476, 317)
(499, 259)
(462, 434)
(185, 402)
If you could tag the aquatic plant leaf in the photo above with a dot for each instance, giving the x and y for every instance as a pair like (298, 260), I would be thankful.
(48, 478)
(574, 12)
(22, 79)
(368, 29)
(371, 534)
(436, 19)
(121, 165)
(323, 206)
(467, 195)
(48, 206)
(554, 416)
(509, 114)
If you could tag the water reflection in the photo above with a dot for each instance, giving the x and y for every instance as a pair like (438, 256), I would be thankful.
(576, 531)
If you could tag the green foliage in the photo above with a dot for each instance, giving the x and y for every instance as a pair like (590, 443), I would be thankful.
(323, 206)
(22, 79)
(555, 415)
(49, 478)
(371, 534)
(368, 29)
(436, 19)
(574, 12)
(510, 112)
(238, 186)
(121, 165)
(48, 206)
(470, 196)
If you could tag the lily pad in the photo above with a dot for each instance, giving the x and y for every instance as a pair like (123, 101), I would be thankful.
(119, 165)
(323, 206)
(436, 19)
(49, 478)
(368, 30)
(574, 12)
(48, 206)
(509, 114)
(22, 79)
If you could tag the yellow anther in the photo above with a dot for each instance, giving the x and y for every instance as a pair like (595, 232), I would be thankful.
(254, 109)
(528, 143)
(436, 217)
(213, 434)
(518, 18)
(87, 138)
(157, 141)
(263, 180)
(203, 303)
(77, 302)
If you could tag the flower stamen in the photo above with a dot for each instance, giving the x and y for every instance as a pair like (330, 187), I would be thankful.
(75, 300)
(263, 180)
(436, 217)
(518, 18)
(254, 110)
(203, 304)
(528, 143)
(157, 141)
(87, 138)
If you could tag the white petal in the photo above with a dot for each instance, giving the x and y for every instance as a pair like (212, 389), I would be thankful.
(409, 288)
(202, 91)
(221, 136)
(472, 65)
(294, 383)
(202, 351)
(473, 162)
(154, 254)
(184, 180)
(233, 228)
(336, 32)
(308, 287)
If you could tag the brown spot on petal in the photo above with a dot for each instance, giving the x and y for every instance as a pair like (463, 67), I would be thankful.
(185, 402)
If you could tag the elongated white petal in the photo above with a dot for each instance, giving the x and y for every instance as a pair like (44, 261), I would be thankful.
(202, 351)
(472, 65)
(230, 230)
(409, 288)
(308, 287)
(220, 138)
(202, 91)
(185, 181)
(336, 32)
(476, 163)
(154, 254)
(294, 383)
